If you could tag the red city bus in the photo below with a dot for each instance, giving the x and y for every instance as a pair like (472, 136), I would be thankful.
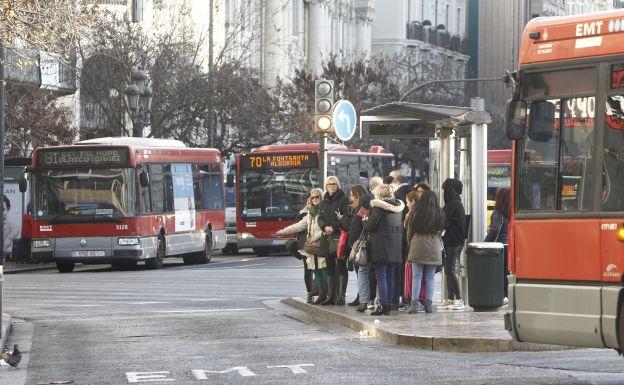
(273, 183)
(124, 200)
(566, 238)
(498, 171)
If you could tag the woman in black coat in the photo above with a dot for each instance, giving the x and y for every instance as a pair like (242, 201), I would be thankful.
(334, 202)
(385, 234)
(353, 222)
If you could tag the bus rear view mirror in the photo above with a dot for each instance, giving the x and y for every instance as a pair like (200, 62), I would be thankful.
(23, 184)
(515, 118)
(542, 121)
(144, 179)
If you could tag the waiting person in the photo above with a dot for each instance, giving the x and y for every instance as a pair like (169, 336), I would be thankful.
(499, 227)
(309, 223)
(388, 180)
(425, 225)
(365, 201)
(334, 202)
(453, 238)
(385, 234)
(401, 188)
(353, 221)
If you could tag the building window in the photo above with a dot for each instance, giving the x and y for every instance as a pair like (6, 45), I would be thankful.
(447, 17)
(459, 16)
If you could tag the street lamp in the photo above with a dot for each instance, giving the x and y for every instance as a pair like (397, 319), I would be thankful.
(139, 96)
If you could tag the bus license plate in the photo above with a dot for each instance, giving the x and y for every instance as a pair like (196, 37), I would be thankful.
(279, 242)
(88, 253)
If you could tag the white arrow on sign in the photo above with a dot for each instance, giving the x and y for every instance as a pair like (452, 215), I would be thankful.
(344, 117)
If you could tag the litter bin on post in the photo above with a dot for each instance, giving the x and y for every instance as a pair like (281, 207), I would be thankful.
(485, 265)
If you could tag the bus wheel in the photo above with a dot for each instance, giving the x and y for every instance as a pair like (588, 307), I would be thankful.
(206, 255)
(156, 262)
(65, 266)
(261, 251)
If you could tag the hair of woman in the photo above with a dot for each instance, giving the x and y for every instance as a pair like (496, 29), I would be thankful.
(502, 201)
(412, 196)
(422, 185)
(331, 179)
(358, 192)
(428, 217)
(383, 191)
(312, 192)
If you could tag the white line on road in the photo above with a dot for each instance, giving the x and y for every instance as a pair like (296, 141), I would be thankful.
(208, 311)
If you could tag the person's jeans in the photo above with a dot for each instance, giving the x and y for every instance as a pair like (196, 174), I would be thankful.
(384, 272)
(450, 262)
(397, 289)
(418, 271)
(363, 284)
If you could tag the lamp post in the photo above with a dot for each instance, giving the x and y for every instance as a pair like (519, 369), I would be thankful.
(139, 96)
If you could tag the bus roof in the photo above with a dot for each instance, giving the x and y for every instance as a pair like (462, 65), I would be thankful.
(332, 147)
(135, 142)
(499, 157)
(570, 37)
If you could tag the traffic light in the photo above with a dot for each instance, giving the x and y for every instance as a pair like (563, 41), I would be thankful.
(323, 104)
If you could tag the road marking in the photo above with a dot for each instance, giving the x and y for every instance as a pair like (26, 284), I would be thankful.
(244, 371)
(147, 377)
(295, 369)
(208, 310)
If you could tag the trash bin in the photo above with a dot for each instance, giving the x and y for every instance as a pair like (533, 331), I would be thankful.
(485, 265)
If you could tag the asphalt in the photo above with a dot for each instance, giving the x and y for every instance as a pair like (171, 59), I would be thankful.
(444, 330)
(19, 267)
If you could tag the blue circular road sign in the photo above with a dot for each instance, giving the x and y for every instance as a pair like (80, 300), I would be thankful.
(345, 120)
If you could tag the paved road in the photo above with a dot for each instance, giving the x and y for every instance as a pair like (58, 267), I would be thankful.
(222, 323)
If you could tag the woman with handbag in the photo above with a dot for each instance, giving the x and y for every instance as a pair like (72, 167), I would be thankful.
(384, 226)
(499, 229)
(353, 222)
(310, 249)
(424, 232)
(334, 202)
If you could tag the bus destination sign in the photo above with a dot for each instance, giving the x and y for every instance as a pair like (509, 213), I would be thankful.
(83, 157)
(269, 161)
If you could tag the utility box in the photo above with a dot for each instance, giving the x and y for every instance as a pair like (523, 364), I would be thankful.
(486, 270)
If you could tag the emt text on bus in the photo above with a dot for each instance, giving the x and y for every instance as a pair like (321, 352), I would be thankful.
(125, 200)
(566, 238)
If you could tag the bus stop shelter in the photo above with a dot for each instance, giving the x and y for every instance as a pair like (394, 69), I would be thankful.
(457, 147)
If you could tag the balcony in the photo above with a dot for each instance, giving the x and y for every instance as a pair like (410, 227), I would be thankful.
(41, 69)
(436, 37)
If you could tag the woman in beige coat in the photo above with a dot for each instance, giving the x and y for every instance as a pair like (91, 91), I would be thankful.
(309, 223)
(425, 225)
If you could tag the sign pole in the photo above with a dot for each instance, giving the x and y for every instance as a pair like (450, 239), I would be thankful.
(323, 153)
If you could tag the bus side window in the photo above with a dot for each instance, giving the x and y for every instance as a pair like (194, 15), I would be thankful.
(168, 177)
(197, 188)
(157, 188)
(144, 194)
(612, 193)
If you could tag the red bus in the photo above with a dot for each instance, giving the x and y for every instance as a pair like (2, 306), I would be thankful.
(125, 200)
(498, 171)
(566, 239)
(273, 184)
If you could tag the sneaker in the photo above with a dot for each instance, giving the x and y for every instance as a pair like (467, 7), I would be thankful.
(370, 305)
(505, 301)
(446, 304)
(458, 305)
(421, 307)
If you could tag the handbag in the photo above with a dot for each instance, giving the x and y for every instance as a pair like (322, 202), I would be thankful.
(362, 256)
(312, 248)
(341, 249)
(332, 245)
(356, 246)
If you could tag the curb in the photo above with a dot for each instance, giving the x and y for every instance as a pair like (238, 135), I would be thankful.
(27, 269)
(444, 344)
(5, 327)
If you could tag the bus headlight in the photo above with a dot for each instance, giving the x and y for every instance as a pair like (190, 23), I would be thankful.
(247, 236)
(40, 243)
(128, 241)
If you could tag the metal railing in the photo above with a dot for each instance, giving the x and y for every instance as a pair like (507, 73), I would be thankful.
(436, 37)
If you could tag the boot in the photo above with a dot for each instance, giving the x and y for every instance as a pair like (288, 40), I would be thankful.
(321, 297)
(428, 306)
(343, 280)
(331, 292)
(310, 298)
(413, 307)
(381, 310)
(355, 302)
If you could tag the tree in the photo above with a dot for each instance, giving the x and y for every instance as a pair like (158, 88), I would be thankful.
(34, 118)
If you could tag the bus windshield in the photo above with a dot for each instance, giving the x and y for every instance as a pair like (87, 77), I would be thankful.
(70, 195)
(268, 194)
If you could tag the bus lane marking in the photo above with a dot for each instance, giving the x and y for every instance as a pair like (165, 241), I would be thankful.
(203, 374)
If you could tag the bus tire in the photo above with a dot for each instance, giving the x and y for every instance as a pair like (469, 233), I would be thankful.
(189, 259)
(65, 266)
(157, 261)
(206, 255)
(262, 251)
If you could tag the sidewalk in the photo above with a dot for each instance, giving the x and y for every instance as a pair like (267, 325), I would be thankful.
(444, 330)
(15, 267)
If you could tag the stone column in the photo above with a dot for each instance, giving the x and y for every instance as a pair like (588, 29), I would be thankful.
(364, 16)
(316, 35)
(274, 42)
